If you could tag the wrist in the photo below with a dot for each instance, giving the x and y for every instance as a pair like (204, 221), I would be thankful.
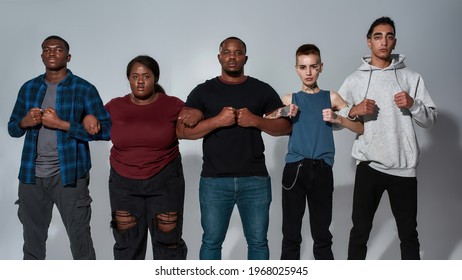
(354, 118)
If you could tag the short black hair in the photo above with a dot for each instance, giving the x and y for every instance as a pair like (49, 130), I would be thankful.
(56, 37)
(234, 38)
(379, 21)
(307, 49)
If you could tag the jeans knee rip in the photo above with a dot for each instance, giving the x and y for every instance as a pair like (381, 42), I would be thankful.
(167, 226)
(123, 220)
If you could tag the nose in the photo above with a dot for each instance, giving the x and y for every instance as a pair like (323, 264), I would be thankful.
(385, 41)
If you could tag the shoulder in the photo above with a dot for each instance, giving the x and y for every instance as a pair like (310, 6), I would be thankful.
(258, 82)
(409, 72)
(206, 84)
(34, 81)
(75, 80)
(117, 101)
(334, 95)
(337, 100)
(262, 88)
(171, 99)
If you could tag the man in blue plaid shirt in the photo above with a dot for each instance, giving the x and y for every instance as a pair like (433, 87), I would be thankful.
(55, 162)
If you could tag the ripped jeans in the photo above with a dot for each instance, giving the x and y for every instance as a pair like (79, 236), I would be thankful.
(35, 210)
(154, 204)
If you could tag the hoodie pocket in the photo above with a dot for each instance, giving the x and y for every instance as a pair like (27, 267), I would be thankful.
(390, 150)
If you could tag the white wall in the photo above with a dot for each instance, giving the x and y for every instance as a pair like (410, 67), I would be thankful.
(184, 36)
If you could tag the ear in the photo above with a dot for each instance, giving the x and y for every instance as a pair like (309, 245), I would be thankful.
(68, 57)
(369, 45)
(321, 67)
(246, 58)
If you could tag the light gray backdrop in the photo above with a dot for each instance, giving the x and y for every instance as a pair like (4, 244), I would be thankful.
(184, 36)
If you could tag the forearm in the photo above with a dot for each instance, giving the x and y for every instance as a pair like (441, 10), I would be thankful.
(203, 128)
(355, 126)
(274, 115)
(424, 116)
(15, 129)
(275, 127)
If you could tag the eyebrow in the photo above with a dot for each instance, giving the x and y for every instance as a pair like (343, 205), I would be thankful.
(380, 33)
(53, 47)
(145, 73)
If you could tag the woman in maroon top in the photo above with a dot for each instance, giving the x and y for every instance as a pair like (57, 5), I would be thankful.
(146, 183)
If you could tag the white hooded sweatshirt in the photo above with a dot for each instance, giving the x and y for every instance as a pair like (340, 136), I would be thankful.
(389, 141)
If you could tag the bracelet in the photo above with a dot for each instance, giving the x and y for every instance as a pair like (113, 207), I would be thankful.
(352, 119)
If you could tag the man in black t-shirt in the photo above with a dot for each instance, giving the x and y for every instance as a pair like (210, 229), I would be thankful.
(234, 170)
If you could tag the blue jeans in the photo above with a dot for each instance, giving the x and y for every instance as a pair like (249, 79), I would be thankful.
(217, 196)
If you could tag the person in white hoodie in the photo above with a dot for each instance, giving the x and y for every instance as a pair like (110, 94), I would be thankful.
(389, 98)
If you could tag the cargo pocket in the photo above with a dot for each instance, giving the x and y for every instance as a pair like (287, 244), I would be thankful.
(17, 202)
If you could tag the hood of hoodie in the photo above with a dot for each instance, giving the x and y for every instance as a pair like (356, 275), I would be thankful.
(397, 62)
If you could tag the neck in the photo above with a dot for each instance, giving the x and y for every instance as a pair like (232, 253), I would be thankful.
(380, 63)
(311, 88)
(233, 79)
(146, 101)
(55, 76)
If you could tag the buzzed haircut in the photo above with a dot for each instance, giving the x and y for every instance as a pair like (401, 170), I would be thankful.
(234, 38)
(307, 49)
(56, 37)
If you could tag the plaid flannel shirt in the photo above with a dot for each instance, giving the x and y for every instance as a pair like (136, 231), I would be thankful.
(75, 98)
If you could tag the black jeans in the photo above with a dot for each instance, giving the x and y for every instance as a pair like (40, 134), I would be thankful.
(35, 212)
(402, 191)
(307, 181)
(144, 200)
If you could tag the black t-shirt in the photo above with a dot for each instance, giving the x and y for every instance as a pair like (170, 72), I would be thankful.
(234, 151)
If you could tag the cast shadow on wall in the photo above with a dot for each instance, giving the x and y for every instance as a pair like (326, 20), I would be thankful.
(439, 202)
(440, 192)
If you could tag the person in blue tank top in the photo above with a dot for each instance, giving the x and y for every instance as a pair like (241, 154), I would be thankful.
(307, 175)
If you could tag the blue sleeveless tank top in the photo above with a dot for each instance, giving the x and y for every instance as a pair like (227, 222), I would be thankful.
(311, 137)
